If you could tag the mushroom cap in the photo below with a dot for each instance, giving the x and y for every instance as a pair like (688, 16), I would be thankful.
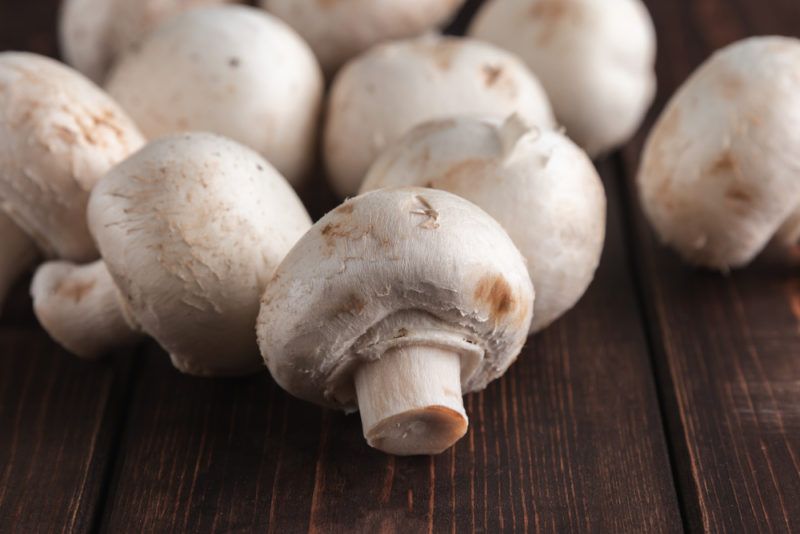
(388, 269)
(191, 228)
(384, 93)
(538, 185)
(338, 31)
(94, 32)
(59, 134)
(595, 59)
(719, 173)
(232, 70)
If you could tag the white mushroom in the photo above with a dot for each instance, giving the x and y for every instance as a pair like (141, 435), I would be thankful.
(232, 70)
(59, 134)
(190, 229)
(384, 93)
(595, 59)
(538, 185)
(720, 174)
(94, 32)
(397, 303)
(338, 31)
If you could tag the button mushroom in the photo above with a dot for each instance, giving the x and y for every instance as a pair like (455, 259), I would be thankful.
(396, 303)
(94, 32)
(382, 94)
(231, 70)
(338, 31)
(719, 174)
(538, 185)
(59, 134)
(595, 58)
(190, 229)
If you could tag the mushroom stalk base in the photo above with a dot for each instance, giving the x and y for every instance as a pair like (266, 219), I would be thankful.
(410, 401)
(17, 255)
(81, 309)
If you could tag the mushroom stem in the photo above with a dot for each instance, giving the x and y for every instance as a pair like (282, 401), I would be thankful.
(410, 400)
(80, 307)
(18, 253)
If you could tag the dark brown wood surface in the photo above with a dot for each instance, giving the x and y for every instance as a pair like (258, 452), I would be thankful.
(727, 347)
(668, 399)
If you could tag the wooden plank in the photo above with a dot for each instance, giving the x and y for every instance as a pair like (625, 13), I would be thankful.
(58, 420)
(59, 417)
(729, 346)
(569, 440)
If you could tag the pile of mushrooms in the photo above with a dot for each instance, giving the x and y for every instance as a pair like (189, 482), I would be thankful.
(472, 198)
(190, 230)
(538, 184)
(381, 95)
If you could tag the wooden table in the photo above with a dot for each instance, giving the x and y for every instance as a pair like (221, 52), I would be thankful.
(668, 400)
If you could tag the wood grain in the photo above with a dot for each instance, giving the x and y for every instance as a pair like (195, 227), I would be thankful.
(58, 421)
(728, 347)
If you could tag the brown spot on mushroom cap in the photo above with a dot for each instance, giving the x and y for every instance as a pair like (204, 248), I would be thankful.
(740, 196)
(493, 290)
(346, 208)
(730, 85)
(440, 51)
(74, 289)
(492, 73)
(723, 164)
(551, 13)
(352, 305)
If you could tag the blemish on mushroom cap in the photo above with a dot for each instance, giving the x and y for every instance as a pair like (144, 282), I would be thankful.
(330, 296)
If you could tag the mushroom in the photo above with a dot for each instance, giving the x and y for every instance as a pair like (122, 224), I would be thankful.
(595, 59)
(339, 31)
(382, 94)
(94, 32)
(190, 229)
(538, 185)
(59, 134)
(719, 174)
(231, 70)
(396, 303)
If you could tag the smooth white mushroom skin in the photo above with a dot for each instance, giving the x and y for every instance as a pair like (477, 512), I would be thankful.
(410, 401)
(376, 302)
(719, 173)
(94, 32)
(538, 185)
(231, 70)
(81, 308)
(595, 59)
(18, 254)
(191, 228)
(339, 31)
(382, 94)
(59, 134)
